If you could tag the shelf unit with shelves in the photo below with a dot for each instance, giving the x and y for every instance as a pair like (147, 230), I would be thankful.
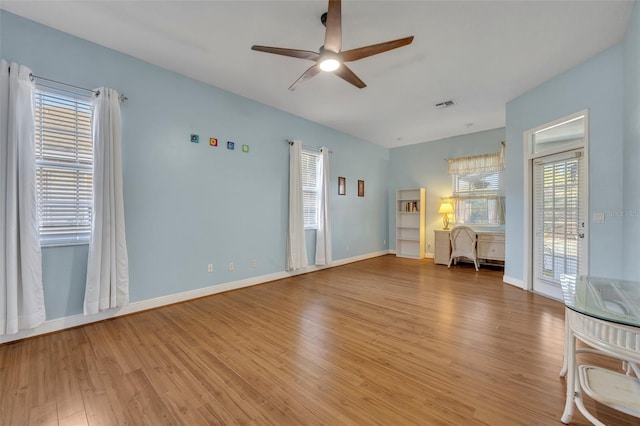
(410, 223)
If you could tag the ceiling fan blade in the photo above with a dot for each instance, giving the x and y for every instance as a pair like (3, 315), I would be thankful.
(333, 34)
(374, 49)
(346, 74)
(294, 53)
(314, 70)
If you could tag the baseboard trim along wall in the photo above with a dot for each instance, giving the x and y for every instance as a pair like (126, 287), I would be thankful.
(513, 281)
(59, 324)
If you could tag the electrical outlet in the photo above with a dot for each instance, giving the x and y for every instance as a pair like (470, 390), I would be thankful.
(254, 263)
(231, 266)
(210, 267)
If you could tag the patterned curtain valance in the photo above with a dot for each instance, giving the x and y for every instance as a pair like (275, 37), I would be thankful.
(477, 163)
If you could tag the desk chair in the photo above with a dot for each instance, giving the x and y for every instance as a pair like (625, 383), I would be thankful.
(463, 244)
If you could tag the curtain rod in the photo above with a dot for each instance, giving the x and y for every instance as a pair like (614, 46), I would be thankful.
(503, 143)
(32, 77)
(310, 148)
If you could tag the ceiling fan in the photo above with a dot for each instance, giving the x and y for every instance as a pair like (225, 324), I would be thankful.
(330, 57)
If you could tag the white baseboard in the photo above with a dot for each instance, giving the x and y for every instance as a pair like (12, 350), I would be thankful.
(58, 324)
(428, 255)
(513, 281)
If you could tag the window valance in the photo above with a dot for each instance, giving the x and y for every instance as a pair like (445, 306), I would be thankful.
(477, 163)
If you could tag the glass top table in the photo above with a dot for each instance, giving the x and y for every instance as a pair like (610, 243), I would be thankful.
(607, 299)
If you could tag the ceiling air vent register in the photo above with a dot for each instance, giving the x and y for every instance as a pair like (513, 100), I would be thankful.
(445, 104)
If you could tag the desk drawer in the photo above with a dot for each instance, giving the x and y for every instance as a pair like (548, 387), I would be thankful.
(491, 237)
(491, 246)
(494, 251)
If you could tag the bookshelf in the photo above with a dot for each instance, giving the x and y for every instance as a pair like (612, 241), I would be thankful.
(410, 219)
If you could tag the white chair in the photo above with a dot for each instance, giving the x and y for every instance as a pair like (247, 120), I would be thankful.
(463, 244)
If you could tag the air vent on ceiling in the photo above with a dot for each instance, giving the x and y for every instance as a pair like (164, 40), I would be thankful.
(445, 104)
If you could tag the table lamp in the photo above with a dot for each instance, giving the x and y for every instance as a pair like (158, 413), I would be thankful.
(445, 209)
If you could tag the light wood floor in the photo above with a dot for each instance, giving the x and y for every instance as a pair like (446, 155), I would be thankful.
(384, 341)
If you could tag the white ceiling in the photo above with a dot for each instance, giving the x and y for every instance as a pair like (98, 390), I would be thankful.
(479, 53)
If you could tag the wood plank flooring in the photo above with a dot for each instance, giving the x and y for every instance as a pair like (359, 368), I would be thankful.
(385, 341)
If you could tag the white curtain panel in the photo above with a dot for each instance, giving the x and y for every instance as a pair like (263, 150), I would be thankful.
(323, 233)
(496, 210)
(296, 246)
(21, 292)
(108, 266)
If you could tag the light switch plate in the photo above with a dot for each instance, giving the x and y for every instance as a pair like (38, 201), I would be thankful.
(597, 218)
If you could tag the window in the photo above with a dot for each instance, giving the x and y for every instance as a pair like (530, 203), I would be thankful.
(310, 188)
(477, 198)
(64, 167)
(477, 189)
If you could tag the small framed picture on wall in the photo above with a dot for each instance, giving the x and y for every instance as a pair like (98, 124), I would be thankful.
(342, 186)
(360, 188)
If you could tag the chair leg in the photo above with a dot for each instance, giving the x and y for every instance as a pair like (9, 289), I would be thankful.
(450, 260)
(475, 262)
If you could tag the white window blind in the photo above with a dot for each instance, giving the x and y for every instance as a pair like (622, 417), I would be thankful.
(310, 188)
(477, 184)
(64, 167)
(557, 216)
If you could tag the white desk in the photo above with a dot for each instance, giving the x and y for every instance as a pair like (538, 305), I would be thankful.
(604, 314)
(490, 246)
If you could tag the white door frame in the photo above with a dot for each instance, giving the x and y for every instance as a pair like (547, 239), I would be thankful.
(529, 156)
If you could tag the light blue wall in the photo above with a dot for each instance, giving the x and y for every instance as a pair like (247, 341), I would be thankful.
(597, 85)
(423, 166)
(632, 147)
(188, 205)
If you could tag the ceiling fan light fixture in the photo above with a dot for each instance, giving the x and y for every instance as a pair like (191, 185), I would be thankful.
(330, 57)
(329, 64)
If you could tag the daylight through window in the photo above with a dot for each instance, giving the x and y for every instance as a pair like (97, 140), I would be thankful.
(477, 189)
(64, 167)
(310, 187)
(477, 198)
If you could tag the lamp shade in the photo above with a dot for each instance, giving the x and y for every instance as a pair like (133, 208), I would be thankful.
(445, 208)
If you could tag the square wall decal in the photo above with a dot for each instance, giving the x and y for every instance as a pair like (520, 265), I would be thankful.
(213, 141)
(245, 148)
(195, 138)
(231, 145)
